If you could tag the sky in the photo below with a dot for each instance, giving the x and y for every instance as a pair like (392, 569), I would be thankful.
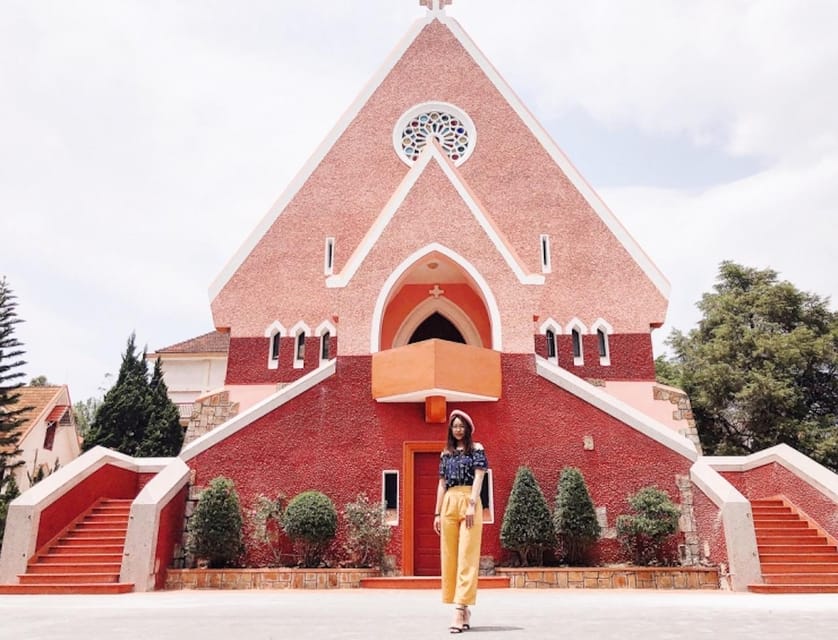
(141, 141)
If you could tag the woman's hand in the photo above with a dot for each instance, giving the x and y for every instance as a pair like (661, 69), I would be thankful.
(470, 516)
(436, 524)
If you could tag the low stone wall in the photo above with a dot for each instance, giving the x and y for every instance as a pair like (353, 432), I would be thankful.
(612, 578)
(267, 578)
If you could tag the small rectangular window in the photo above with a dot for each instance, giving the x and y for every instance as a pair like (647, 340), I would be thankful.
(545, 253)
(324, 346)
(275, 347)
(551, 344)
(329, 257)
(390, 496)
(578, 358)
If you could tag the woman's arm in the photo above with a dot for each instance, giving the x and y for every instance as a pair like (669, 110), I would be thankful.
(479, 474)
(440, 493)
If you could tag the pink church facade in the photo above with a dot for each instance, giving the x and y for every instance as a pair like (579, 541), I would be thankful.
(439, 251)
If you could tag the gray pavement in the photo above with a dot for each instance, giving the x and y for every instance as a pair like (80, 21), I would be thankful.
(407, 615)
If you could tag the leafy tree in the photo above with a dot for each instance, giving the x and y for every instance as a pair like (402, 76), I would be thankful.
(136, 416)
(11, 492)
(367, 532)
(215, 528)
(527, 527)
(575, 517)
(39, 381)
(266, 519)
(311, 521)
(84, 412)
(163, 435)
(645, 532)
(11, 414)
(760, 368)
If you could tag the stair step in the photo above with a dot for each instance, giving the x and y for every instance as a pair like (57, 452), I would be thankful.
(793, 588)
(805, 549)
(101, 527)
(800, 567)
(774, 522)
(92, 536)
(768, 502)
(770, 558)
(66, 588)
(788, 539)
(62, 578)
(81, 547)
(73, 567)
(800, 578)
(56, 557)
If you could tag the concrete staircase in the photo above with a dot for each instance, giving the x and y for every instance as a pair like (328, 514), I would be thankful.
(795, 556)
(86, 558)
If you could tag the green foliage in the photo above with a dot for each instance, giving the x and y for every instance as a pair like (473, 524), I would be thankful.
(39, 381)
(575, 518)
(527, 526)
(761, 367)
(136, 416)
(367, 532)
(9, 493)
(84, 411)
(311, 521)
(266, 518)
(215, 528)
(40, 471)
(646, 531)
(11, 414)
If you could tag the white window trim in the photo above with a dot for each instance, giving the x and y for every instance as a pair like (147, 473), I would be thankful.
(274, 329)
(394, 521)
(447, 107)
(544, 250)
(296, 330)
(329, 257)
(320, 331)
(607, 330)
(556, 328)
(576, 324)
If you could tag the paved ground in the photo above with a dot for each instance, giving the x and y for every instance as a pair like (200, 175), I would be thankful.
(408, 615)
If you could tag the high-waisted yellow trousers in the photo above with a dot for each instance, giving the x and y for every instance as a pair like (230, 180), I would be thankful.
(460, 547)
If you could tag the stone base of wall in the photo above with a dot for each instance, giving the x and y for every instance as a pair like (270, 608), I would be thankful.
(267, 578)
(612, 578)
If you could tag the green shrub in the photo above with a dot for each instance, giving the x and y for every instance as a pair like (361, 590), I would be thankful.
(527, 526)
(575, 517)
(645, 533)
(367, 533)
(311, 521)
(215, 528)
(7, 494)
(266, 519)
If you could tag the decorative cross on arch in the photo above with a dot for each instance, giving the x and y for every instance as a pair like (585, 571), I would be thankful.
(435, 6)
(436, 291)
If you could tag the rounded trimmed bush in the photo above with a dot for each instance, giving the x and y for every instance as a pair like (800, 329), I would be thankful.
(215, 528)
(311, 521)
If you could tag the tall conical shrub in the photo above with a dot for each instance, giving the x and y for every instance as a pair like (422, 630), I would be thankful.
(527, 526)
(575, 517)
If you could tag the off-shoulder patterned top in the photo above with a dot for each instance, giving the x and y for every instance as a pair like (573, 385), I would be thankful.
(458, 468)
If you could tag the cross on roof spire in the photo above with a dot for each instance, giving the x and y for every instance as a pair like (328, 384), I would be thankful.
(435, 7)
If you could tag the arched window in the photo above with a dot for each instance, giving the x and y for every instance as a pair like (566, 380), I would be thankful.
(275, 347)
(551, 343)
(324, 346)
(603, 330)
(577, 347)
(300, 350)
(603, 343)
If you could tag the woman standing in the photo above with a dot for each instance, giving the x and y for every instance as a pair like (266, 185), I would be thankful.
(458, 517)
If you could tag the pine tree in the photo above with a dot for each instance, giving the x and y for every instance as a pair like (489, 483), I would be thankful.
(163, 434)
(527, 526)
(11, 415)
(575, 517)
(123, 415)
(11, 492)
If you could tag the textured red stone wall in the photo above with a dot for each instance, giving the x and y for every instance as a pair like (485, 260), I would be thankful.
(107, 482)
(335, 438)
(709, 523)
(631, 356)
(168, 535)
(774, 479)
(247, 361)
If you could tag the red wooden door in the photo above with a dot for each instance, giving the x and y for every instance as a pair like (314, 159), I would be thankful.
(425, 539)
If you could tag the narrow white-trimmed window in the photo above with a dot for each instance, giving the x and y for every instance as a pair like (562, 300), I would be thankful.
(603, 330)
(300, 350)
(576, 337)
(274, 333)
(551, 344)
(545, 253)
(329, 257)
(487, 497)
(390, 496)
(324, 346)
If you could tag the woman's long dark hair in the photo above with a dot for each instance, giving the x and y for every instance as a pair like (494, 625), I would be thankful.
(467, 441)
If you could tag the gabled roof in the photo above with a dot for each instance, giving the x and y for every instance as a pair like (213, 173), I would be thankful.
(580, 184)
(430, 153)
(212, 342)
(39, 400)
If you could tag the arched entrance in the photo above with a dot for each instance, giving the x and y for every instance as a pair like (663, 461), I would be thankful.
(436, 325)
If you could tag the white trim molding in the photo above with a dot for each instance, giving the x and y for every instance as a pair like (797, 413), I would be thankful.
(260, 409)
(577, 325)
(431, 152)
(445, 307)
(544, 252)
(618, 409)
(551, 325)
(601, 325)
(393, 279)
(275, 331)
(301, 328)
(424, 107)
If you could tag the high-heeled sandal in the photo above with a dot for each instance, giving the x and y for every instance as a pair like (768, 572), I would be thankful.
(466, 618)
(459, 620)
